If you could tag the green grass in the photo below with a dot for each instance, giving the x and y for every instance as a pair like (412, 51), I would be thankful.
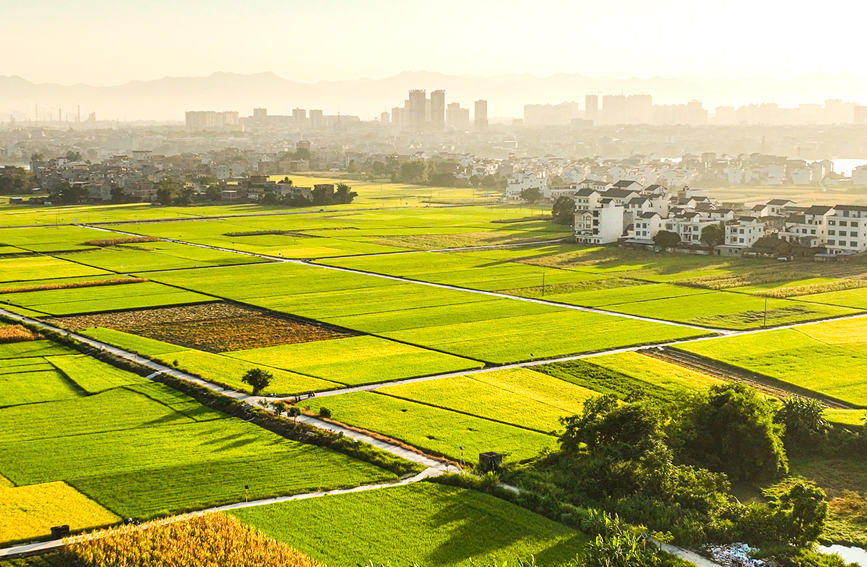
(517, 396)
(91, 375)
(657, 372)
(793, 356)
(425, 524)
(229, 371)
(855, 298)
(142, 453)
(72, 301)
(433, 429)
(27, 386)
(150, 256)
(606, 298)
(150, 470)
(730, 310)
(114, 410)
(546, 335)
(129, 341)
(604, 380)
(373, 304)
(25, 349)
(356, 360)
(41, 267)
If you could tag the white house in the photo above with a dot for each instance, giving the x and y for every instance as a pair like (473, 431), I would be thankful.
(847, 229)
(601, 225)
(743, 232)
(522, 181)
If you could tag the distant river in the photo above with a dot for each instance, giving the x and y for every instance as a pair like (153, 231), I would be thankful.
(845, 166)
(849, 554)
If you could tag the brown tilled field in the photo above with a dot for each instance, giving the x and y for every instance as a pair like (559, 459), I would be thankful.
(212, 327)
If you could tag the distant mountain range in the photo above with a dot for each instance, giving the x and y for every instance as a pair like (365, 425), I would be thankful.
(167, 99)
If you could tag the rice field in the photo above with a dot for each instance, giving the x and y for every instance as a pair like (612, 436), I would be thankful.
(423, 524)
(432, 429)
(29, 512)
(140, 449)
(356, 360)
(72, 301)
(829, 358)
(517, 397)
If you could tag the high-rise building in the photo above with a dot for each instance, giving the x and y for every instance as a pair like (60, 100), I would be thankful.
(316, 119)
(639, 109)
(197, 120)
(614, 109)
(398, 115)
(299, 116)
(384, 118)
(480, 116)
(416, 108)
(457, 117)
(260, 114)
(438, 109)
(591, 106)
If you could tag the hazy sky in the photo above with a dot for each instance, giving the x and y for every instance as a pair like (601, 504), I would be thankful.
(113, 41)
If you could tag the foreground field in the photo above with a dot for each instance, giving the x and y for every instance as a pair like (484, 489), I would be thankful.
(29, 512)
(423, 524)
(139, 449)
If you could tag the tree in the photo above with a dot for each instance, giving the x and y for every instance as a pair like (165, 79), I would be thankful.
(258, 378)
(712, 235)
(732, 430)
(67, 194)
(772, 245)
(563, 211)
(531, 195)
(344, 194)
(801, 511)
(804, 420)
(168, 190)
(475, 181)
(117, 194)
(666, 239)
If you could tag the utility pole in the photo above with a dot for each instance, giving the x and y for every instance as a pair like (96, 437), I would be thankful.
(765, 321)
(543, 284)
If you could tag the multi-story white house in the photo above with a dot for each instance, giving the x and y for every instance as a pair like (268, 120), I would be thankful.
(688, 226)
(600, 225)
(810, 228)
(743, 232)
(847, 229)
(522, 181)
(645, 226)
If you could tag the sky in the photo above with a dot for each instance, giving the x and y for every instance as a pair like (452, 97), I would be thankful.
(107, 42)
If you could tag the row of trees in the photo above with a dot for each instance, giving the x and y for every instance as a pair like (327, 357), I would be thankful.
(14, 180)
(437, 173)
(669, 465)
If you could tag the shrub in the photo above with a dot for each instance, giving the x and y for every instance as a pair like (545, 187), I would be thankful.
(324, 412)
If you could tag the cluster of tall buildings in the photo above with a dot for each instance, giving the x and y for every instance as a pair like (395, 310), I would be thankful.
(422, 112)
(615, 109)
(198, 120)
(639, 109)
(300, 119)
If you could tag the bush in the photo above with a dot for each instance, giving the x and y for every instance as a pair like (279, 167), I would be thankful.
(324, 412)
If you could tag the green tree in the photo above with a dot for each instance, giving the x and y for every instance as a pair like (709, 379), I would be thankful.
(258, 379)
(563, 211)
(804, 422)
(731, 429)
(344, 194)
(802, 511)
(532, 195)
(475, 181)
(117, 194)
(712, 235)
(666, 239)
(168, 190)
